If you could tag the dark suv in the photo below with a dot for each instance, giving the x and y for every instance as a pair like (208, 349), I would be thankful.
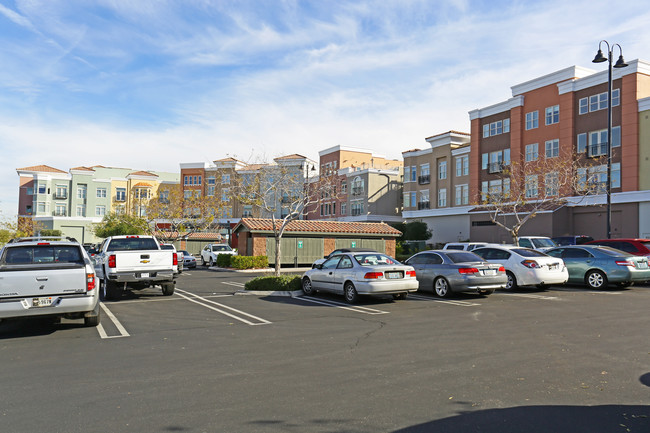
(572, 240)
(638, 247)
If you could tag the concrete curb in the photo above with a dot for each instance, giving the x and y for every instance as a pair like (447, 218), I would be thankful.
(292, 294)
(252, 271)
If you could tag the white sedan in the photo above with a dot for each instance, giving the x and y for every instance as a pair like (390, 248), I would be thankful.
(362, 273)
(526, 267)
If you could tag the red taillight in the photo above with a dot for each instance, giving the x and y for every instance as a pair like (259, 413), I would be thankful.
(90, 282)
(410, 274)
(502, 269)
(111, 261)
(467, 271)
(133, 237)
(175, 260)
(373, 275)
(530, 264)
(43, 243)
(624, 263)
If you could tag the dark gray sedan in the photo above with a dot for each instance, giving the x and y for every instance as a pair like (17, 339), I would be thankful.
(598, 266)
(445, 272)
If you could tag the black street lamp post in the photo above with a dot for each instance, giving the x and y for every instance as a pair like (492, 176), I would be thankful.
(620, 63)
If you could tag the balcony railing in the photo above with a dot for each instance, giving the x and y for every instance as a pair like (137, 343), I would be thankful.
(61, 195)
(597, 149)
(424, 205)
(356, 212)
(424, 179)
(120, 198)
(495, 167)
(357, 190)
(59, 213)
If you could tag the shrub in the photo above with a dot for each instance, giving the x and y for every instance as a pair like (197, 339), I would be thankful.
(223, 260)
(273, 283)
(249, 262)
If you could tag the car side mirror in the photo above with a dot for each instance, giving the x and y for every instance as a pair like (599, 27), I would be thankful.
(319, 266)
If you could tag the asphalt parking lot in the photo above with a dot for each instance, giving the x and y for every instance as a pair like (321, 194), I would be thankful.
(206, 360)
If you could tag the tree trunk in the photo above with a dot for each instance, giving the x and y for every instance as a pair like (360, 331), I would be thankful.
(278, 243)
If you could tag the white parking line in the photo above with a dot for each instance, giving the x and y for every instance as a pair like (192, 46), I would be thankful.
(444, 301)
(193, 298)
(358, 309)
(532, 296)
(233, 283)
(118, 325)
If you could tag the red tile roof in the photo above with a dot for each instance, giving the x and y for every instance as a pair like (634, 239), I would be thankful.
(82, 168)
(315, 226)
(142, 185)
(293, 156)
(41, 168)
(142, 173)
(195, 235)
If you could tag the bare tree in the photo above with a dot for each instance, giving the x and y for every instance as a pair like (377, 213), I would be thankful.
(173, 214)
(285, 192)
(520, 190)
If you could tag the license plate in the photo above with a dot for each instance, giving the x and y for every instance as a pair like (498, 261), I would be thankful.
(144, 275)
(553, 267)
(392, 275)
(643, 265)
(489, 272)
(41, 302)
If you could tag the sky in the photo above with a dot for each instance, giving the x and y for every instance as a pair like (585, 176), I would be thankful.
(149, 84)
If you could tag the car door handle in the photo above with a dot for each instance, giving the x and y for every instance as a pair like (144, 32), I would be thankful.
(330, 273)
(41, 278)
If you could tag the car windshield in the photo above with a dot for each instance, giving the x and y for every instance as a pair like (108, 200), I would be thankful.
(525, 252)
(646, 244)
(613, 252)
(464, 257)
(166, 247)
(375, 259)
(221, 248)
(185, 253)
(543, 243)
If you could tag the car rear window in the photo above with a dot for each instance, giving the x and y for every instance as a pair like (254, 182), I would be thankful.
(464, 257)
(375, 259)
(42, 254)
(612, 252)
(646, 244)
(130, 244)
(525, 252)
(454, 247)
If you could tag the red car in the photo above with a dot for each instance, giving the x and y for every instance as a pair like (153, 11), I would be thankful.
(637, 247)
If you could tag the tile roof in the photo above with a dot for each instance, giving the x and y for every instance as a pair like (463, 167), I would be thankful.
(292, 156)
(195, 235)
(41, 168)
(315, 226)
(229, 159)
(142, 173)
(142, 185)
(82, 168)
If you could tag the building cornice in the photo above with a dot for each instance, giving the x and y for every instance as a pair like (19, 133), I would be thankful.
(191, 165)
(448, 138)
(554, 77)
(449, 211)
(501, 107)
(644, 104)
(601, 77)
(461, 150)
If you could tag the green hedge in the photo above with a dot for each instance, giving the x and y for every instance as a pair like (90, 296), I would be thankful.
(272, 283)
(223, 260)
(249, 262)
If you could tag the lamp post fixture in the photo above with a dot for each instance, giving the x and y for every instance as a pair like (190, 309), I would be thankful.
(620, 63)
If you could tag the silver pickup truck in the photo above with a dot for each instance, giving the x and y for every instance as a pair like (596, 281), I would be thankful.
(134, 262)
(48, 277)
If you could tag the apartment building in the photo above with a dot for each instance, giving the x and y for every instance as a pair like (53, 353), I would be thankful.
(564, 115)
(75, 200)
(436, 186)
(369, 186)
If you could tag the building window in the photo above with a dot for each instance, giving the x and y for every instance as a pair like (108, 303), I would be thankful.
(414, 174)
(583, 105)
(531, 186)
(413, 199)
(484, 190)
(598, 102)
(81, 192)
(462, 195)
(41, 207)
(442, 197)
(552, 183)
(358, 185)
(356, 208)
(424, 202)
(496, 162)
(225, 179)
(532, 152)
(119, 210)
(424, 174)
(553, 148)
(442, 170)
(60, 209)
(211, 180)
(187, 193)
(101, 192)
(186, 180)
(120, 194)
(211, 189)
(486, 130)
(616, 175)
(496, 128)
(532, 120)
(581, 143)
(462, 165)
(42, 188)
(616, 97)
(81, 211)
(484, 161)
(616, 136)
(552, 114)
(407, 201)
(224, 194)
(61, 192)
(200, 180)
(100, 210)
(598, 143)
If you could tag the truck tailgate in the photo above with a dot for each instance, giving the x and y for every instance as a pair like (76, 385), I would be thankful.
(42, 281)
(129, 261)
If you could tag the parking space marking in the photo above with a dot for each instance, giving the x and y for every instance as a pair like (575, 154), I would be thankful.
(532, 296)
(358, 308)
(118, 325)
(233, 283)
(444, 301)
(204, 302)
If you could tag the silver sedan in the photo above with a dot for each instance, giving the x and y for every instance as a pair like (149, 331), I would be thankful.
(445, 272)
(367, 273)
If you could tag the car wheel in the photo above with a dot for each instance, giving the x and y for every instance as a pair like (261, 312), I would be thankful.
(92, 321)
(511, 284)
(441, 287)
(211, 262)
(168, 289)
(399, 296)
(203, 262)
(351, 295)
(486, 292)
(596, 280)
(307, 288)
(109, 291)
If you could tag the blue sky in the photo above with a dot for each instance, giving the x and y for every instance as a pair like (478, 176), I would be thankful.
(148, 84)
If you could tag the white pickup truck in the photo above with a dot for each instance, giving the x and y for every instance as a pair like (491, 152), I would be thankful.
(134, 262)
(48, 277)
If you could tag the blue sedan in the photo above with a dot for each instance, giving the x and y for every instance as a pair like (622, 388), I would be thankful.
(598, 266)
